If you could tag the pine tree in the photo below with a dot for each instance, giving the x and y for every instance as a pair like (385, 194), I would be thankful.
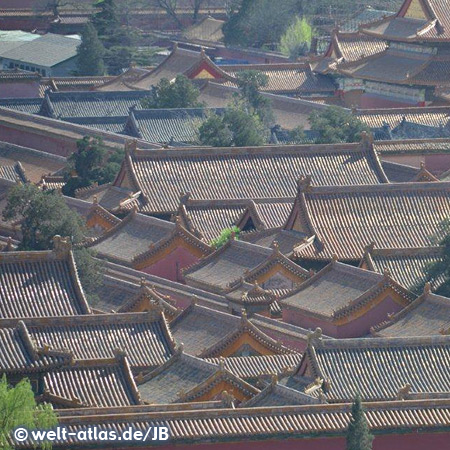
(90, 53)
(358, 433)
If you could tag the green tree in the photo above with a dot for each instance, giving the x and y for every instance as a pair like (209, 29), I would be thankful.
(334, 125)
(236, 127)
(90, 53)
(358, 433)
(178, 94)
(259, 22)
(90, 164)
(296, 41)
(45, 214)
(42, 215)
(18, 407)
(214, 132)
(438, 272)
(225, 236)
(247, 128)
(250, 82)
(106, 20)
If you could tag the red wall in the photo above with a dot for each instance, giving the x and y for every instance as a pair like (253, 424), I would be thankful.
(356, 328)
(170, 267)
(58, 146)
(19, 90)
(413, 441)
(436, 163)
(372, 102)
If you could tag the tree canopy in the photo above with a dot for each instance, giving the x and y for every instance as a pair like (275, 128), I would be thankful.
(45, 214)
(90, 164)
(18, 407)
(90, 53)
(259, 22)
(358, 433)
(180, 93)
(236, 127)
(225, 236)
(334, 125)
(296, 41)
(250, 83)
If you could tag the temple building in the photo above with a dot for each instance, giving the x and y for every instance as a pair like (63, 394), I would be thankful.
(150, 245)
(344, 301)
(406, 265)
(411, 68)
(216, 173)
(41, 284)
(428, 315)
(237, 261)
(344, 220)
(337, 369)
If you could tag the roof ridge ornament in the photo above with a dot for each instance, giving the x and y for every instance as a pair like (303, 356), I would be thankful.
(403, 392)
(313, 337)
(61, 246)
(304, 183)
(427, 288)
(366, 138)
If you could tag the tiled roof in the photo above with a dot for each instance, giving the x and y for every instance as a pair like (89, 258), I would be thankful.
(40, 284)
(235, 425)
(208, 29)
(108, 196)
(400, 67)
(121, 296)
(34, 162)
(208, 218)
(245, 328)
(28, 105)
(353, 46)
(20, 354)
(115, 124)
(52, 183)
(175, 378)
(428, 315)
(199, 328)
(103, 382)
(270, 171)
(180, 61)
(144, 337)
(379, 368)
(174, 126)
(14, 75)
(399, 173)
(47, 50)
(60, 105)
(161, 302)
(131, 237)
(279, 395)
(14, 173)
(287, 240)
(288, 78)
(337, 289)
(346, 219)
(433, 26)
(413, 146)
(406, 265)
(223, 268)
(433, 116)
(255, 366)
